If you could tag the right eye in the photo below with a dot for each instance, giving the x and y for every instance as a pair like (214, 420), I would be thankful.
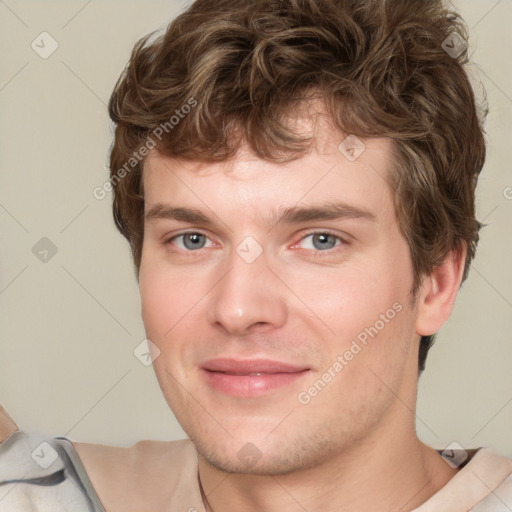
(189, 241)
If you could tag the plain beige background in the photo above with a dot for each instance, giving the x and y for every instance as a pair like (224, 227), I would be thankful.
(69, 326)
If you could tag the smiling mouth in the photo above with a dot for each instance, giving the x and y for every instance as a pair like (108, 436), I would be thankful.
(251, 384)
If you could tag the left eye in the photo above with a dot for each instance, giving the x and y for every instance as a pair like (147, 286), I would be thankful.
(190, 241)
(321, 241)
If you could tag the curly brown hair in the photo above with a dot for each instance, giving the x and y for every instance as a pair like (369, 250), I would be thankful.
(227, 72)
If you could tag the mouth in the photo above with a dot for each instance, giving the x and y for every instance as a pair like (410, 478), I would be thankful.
(250, 378)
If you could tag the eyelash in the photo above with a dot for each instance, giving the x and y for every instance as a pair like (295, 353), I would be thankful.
(317, 252)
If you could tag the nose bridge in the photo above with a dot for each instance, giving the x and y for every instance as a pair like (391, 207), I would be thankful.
(248, 294)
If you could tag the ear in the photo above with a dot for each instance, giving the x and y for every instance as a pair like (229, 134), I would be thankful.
(438, 293)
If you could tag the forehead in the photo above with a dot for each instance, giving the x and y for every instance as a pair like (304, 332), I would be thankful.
(338, 168)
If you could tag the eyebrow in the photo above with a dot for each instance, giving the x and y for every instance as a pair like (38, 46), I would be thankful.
(291, 215)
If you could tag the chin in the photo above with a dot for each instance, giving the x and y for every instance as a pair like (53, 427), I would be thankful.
(278, 456)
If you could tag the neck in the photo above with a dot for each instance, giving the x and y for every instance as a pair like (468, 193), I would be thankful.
(397, 472)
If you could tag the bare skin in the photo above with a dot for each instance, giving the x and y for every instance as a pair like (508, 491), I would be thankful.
(304, 301)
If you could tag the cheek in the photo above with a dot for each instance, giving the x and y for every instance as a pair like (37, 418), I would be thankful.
(162, 300)
(362, 310)
(170, 300)
(153, 300)
(161, 313)
(351, 298)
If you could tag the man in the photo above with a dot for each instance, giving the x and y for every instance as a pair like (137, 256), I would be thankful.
(296, 181)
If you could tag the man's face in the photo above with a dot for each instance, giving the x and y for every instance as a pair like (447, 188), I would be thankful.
(324, 297)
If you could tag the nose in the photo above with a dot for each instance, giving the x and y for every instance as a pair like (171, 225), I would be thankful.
(248, 299)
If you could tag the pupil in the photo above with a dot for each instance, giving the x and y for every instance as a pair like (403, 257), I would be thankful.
(324, 239)
(193, 241)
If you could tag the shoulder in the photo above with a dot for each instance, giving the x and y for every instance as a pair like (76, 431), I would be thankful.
(7, 425)
(494, 472)
(483, 484)
(142, 458)
(149, 472)
(38, 473)
(48, 474)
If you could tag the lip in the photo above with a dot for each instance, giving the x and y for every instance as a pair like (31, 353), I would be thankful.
(238, 377)
(246, 366)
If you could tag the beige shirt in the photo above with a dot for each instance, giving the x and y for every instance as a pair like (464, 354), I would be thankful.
(156, 476)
